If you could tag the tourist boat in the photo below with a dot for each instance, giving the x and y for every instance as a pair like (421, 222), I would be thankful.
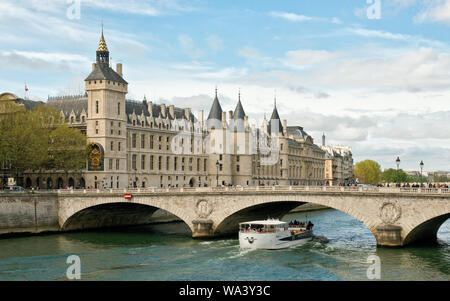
(274, 234)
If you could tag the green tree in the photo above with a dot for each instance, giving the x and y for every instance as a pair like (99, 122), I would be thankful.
(67, 149)
(440, 178)
(393, 176)
(39, 139)
(368, 172)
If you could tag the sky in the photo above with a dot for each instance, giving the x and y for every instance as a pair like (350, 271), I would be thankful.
(370, 74)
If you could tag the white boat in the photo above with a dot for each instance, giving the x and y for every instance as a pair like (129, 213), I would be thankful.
(273, 234)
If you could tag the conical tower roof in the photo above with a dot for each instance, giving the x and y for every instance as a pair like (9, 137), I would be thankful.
(216, 110)
(275, 116)
(239, 112)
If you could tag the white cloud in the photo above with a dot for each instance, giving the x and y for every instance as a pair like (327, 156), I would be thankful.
(189, 48)
(438, 11)
(225, 74)
(292, 17)
(42, 61)
(306, 57)
(253, 54)
(214, 42)
(378, 34)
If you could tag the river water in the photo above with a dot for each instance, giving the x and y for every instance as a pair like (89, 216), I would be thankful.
(166, 252)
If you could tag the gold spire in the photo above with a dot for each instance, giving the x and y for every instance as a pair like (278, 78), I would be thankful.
(102, 44)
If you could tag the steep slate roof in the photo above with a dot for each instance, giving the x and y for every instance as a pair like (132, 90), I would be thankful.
(141, 107)
(104, 72)
(66, 105)
(297, 131)
(29, 104)
(216, 110)
(239, 112)
(317, 148)
(275, 116)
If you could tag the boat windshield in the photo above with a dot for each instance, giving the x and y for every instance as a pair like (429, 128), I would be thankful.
(263, 228)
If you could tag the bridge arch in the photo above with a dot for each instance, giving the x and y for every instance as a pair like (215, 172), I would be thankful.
(279, 208)
(426, 230)
(105, 213)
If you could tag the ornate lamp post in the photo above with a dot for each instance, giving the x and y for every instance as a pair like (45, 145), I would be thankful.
(217, 175)
(398, 165)
(421, 169)
(259, 174)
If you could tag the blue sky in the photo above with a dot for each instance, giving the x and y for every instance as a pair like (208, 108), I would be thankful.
(381, 85)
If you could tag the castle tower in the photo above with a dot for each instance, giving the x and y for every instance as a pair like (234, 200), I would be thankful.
(106, 123)
(242, 159)
(219, 160)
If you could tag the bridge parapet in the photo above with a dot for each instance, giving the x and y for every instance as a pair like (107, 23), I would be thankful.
(318, 189)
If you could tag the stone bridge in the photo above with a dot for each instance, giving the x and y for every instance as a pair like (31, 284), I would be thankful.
(395, 216)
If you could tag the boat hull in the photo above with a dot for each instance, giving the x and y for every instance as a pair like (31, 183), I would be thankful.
(272, 241)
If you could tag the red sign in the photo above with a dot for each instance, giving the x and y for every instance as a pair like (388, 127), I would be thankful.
(128, 196)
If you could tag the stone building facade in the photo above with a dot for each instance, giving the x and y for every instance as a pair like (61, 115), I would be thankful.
(143, 144)
(338, 165)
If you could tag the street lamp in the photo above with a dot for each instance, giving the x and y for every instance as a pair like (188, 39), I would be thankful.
(259, 175)
(421, 169)
(398, 165)
(217, 175)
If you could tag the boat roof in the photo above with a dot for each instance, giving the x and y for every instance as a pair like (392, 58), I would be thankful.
(266, 222)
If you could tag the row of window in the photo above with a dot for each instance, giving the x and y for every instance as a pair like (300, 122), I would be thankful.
(166, 162)
(97, 107)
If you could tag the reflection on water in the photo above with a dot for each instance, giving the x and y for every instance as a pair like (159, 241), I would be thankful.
(166, 252)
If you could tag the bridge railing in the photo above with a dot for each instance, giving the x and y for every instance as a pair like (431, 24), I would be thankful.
(265, 189)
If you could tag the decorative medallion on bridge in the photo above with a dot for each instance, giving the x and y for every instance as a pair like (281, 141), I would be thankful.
(390, 212)
(203, 209)
(96, 157)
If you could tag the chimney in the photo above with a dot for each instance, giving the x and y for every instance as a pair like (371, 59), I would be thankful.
(119, 69)
(224, 119)
(172, 111)
(149, 107)
(200, 117)
(163, 110)
(187, 113)
(285, 127)
(230, 115)
(93, 66)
